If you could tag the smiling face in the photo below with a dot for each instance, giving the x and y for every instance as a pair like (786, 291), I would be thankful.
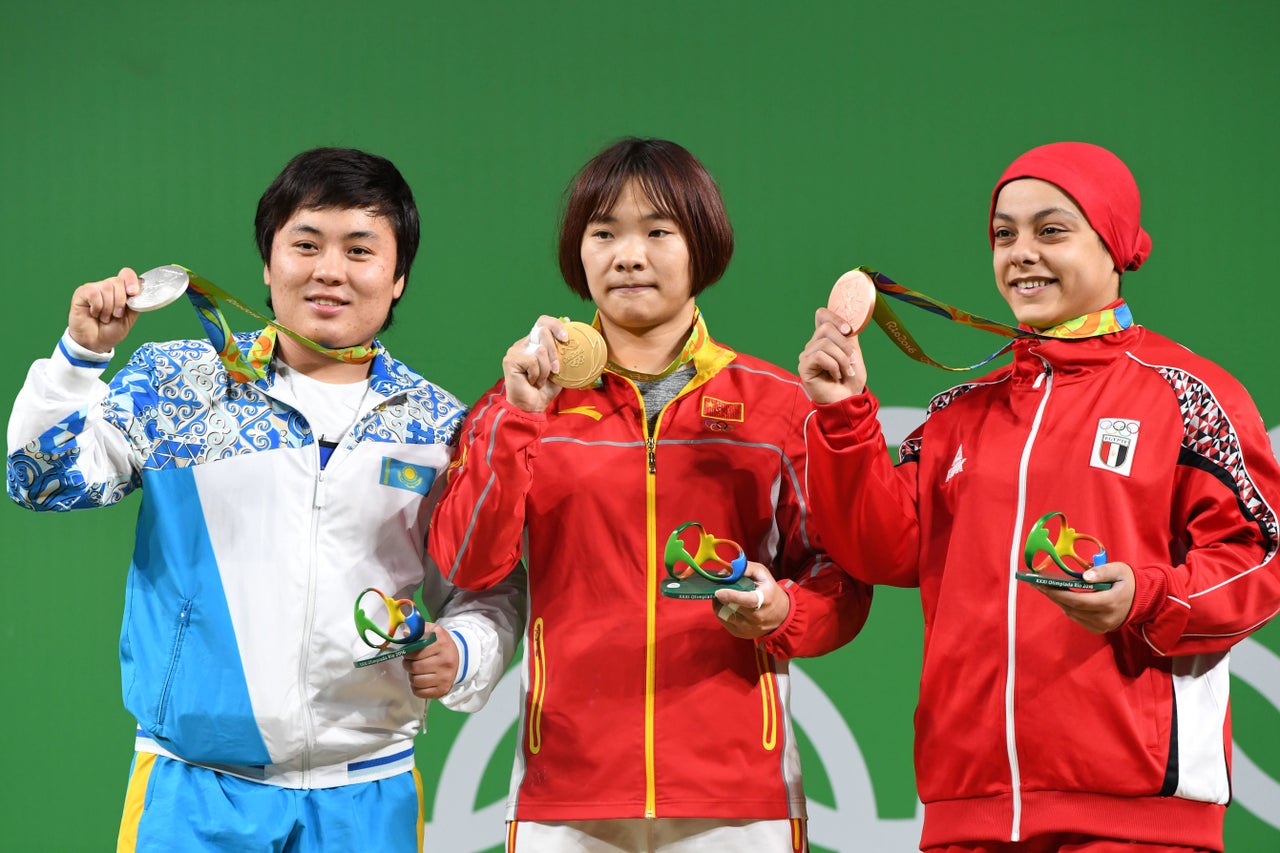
(1050, 265)
(637, 266)
(332, 279)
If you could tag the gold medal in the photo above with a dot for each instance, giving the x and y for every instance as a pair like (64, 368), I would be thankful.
(853, 297)
(582, 357)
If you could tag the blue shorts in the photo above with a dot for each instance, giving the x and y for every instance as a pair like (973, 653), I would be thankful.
(172, 805)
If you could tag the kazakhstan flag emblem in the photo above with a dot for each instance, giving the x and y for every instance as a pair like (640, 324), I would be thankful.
(406, 475)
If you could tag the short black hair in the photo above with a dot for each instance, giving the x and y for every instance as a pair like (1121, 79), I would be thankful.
(342, 178)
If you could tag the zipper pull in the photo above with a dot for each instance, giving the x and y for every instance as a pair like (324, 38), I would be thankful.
(652, 447)
(1042, 377)
(318, 502)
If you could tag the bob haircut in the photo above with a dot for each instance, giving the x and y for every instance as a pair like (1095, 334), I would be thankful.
(342, 178)
(676, 184)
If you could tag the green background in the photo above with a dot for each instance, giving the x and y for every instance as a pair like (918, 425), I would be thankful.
(840, 132)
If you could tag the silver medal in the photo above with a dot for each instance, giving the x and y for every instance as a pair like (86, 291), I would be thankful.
(160, 286)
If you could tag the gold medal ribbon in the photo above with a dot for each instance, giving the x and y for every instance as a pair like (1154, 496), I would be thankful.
(697, 337)
(1114, 318)
(205, 295)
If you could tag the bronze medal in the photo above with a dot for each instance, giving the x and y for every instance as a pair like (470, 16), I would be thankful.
(582, 357)
(853, 297)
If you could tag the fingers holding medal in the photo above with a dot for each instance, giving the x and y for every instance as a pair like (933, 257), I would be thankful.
(557, 353)
(100, 315)
(831, 364)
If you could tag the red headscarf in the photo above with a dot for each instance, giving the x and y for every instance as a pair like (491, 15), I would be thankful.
(1101, 186)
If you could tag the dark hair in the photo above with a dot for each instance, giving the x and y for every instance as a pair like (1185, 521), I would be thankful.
(676, 184)
(341, 178)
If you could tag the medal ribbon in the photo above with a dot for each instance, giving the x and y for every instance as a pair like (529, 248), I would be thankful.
(697, 338)
(204, 296)
(1113, 319)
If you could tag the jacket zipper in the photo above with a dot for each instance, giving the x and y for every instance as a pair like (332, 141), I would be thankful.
(651, 595)
(308, 625)
(184, 619)
(1015, 772)
(304, 659)
(651, 605)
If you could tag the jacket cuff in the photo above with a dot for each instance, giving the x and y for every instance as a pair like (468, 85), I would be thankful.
(538, 418)
(775, 642)
(77, 371)
(849, 421)
(78, 356)
(1159, 620)
(466, 666)
(1150, 587)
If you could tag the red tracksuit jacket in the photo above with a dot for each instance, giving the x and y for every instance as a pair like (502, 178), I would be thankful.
(1027, 723)
(636, 705)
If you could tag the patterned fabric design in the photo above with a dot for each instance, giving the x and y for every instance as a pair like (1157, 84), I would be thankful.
(190, 413)
(909, 450)
(1210, 438)
(177, 406)
(44, 472)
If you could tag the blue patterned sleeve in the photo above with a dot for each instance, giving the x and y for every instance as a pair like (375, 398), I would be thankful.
(82, 458)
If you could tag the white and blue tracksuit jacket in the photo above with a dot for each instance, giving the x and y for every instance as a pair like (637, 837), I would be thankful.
(238, 637)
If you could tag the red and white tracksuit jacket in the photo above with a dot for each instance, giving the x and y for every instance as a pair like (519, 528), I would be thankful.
(636, 705)
(1027, 723)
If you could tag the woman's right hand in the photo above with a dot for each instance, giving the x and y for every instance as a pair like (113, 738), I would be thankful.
(99, 318)
(528, 365)
(831, 364)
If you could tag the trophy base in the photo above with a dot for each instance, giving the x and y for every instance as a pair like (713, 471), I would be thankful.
(396, 651)
(696, 586)
(1061, 582)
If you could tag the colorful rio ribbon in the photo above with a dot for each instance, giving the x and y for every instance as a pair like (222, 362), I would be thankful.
(1057, 549)
(697, 337)
(398, 623)
(204, 296)
(1098, 323)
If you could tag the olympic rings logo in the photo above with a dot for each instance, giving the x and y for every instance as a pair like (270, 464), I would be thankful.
(717, 426)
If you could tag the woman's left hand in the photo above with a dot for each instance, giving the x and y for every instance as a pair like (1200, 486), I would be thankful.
(432, 670)
(753, 614)
(1101, 610)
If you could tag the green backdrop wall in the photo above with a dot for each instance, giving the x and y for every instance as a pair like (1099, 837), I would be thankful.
(840, 132)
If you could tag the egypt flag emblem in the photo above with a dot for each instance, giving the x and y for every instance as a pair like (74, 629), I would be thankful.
(1114, 445)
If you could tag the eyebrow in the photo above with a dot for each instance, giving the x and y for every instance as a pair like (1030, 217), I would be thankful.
(1040, 214)
(648, 217)
(302, 228)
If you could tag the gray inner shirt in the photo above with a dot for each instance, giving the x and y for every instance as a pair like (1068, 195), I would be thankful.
(659, 392)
